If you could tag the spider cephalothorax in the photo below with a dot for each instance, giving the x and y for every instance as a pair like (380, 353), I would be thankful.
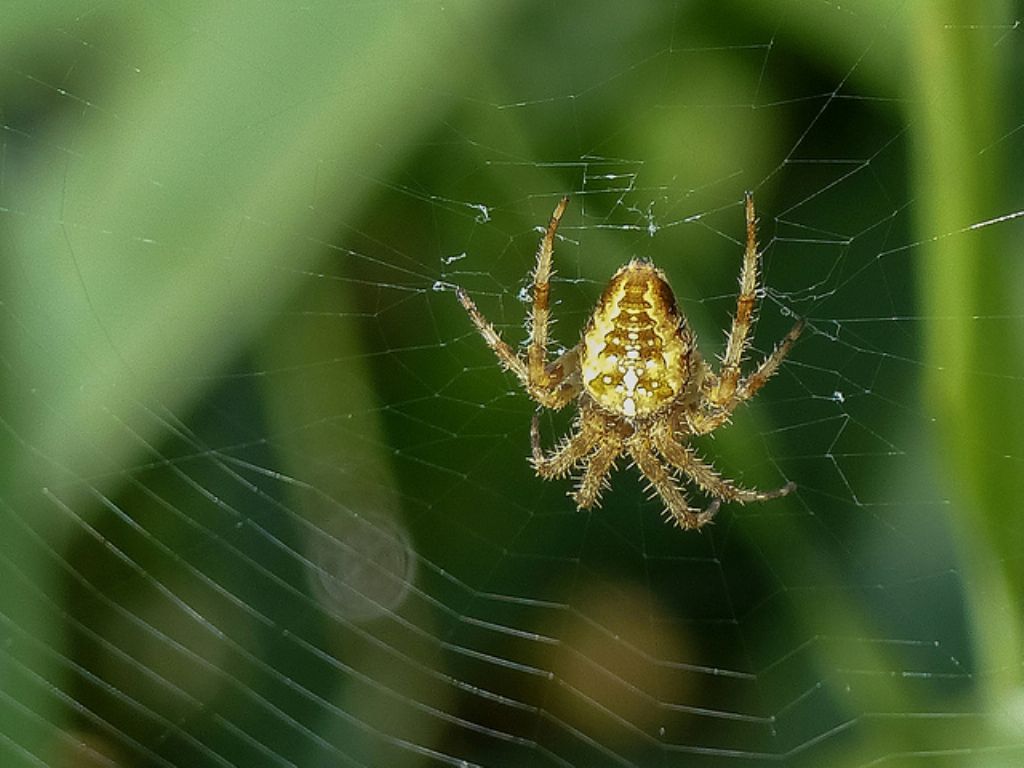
(641, 385)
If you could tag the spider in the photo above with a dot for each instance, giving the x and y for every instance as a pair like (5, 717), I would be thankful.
(641, 386)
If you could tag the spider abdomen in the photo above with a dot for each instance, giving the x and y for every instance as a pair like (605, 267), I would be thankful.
(635, 349)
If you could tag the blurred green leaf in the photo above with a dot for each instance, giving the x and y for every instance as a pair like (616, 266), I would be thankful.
(957, 111)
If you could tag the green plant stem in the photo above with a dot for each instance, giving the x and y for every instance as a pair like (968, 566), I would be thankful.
(966, 275)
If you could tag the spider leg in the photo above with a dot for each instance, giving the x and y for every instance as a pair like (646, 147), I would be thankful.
(537, 350)
(561, 378)
(506, 355)
(569, 453)
(686, 517)
(726, 390)
(564, 381)
(686, 460)
(721, 410)
(594, 477)
(738, 339)
(552, 385)
(749, 386)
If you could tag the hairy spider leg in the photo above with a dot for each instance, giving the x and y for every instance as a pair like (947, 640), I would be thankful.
(706, 421)
(749, 386)
(727, 390)
(509, 360)
(552, 385)
(661, 480)
(738, 339)
(570, 452)
(595, 477)
(536, 353)
(710, 480)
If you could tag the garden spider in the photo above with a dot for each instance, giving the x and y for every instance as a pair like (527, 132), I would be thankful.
(641, 385)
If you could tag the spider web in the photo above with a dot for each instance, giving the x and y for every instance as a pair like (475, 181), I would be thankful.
(265, 497)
